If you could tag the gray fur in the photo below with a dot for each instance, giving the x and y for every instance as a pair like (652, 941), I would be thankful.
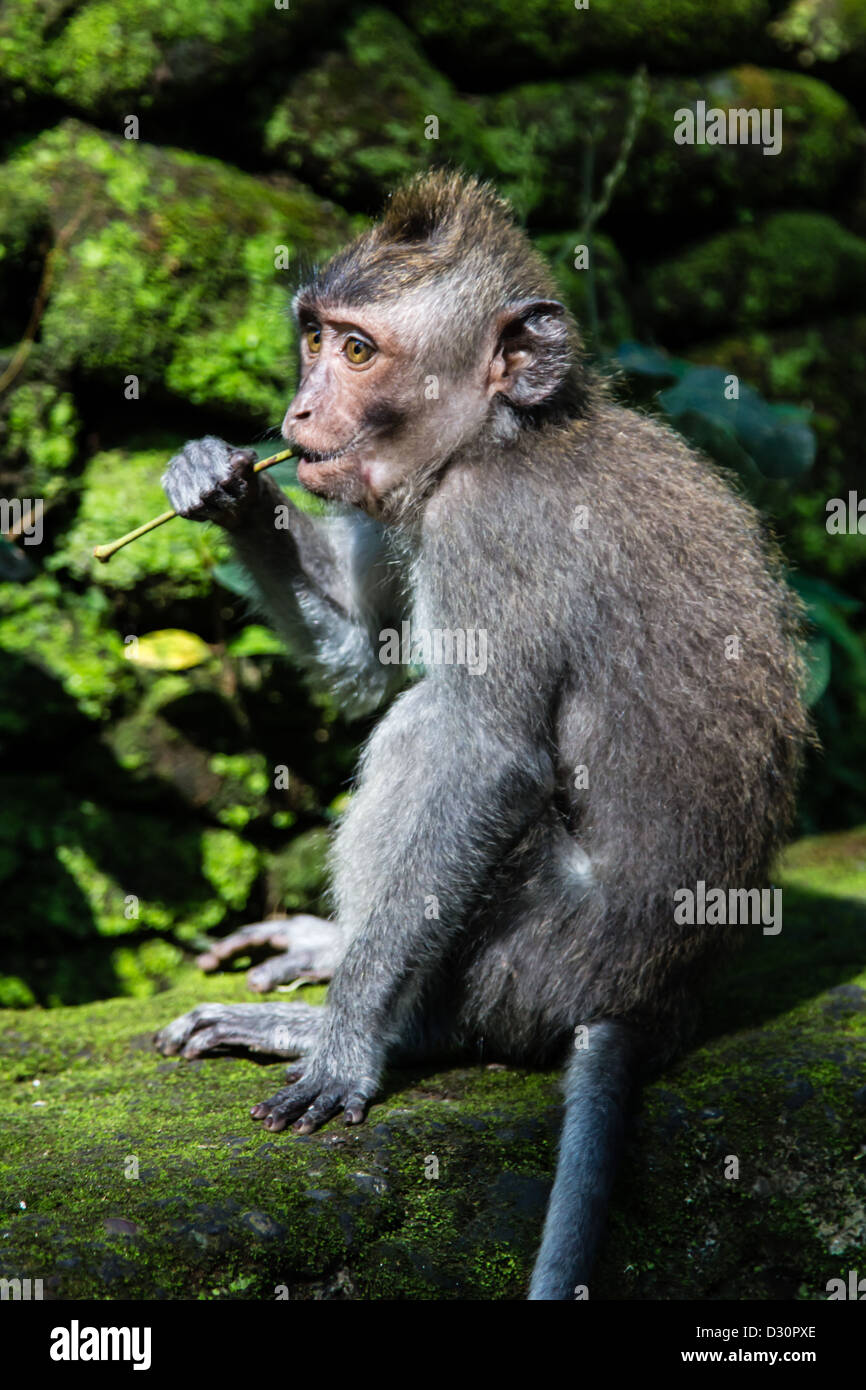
(606, 651)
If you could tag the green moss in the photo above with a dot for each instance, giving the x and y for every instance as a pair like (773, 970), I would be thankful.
(790, 266)
(42, 425)
(820, 32)
(230, 864)
(148, 969)
(152, 284)
(108, 51)
(356, 123)
(15, 993)
(821, 143)
(67, 639)
(549, 34)
(833, 865)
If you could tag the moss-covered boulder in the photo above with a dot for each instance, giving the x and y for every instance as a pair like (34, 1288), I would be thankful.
(790, 267)
(501, 38)
(828, 36)
(149, 283)
(535, 140)
(112, 56)
(821, 148)
(743, 1178)
(370, 114)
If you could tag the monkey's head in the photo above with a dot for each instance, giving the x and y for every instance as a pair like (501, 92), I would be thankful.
(435, 327)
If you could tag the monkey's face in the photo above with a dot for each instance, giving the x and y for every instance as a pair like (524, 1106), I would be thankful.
(389, 393)
(372, 412)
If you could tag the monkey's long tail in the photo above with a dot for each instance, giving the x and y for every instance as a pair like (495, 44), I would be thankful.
(599, 1082)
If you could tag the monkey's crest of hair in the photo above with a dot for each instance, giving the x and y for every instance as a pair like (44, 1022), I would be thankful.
(437, 222)
(444, 207)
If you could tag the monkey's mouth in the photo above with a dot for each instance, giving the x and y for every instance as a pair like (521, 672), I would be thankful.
(333, 472)
(317, 456)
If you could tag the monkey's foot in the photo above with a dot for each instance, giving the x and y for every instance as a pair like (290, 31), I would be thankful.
(277, 1030)
(314, 1099)
(311, 948)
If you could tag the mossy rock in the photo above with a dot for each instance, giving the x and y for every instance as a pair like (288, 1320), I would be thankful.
(501, 38)
(788, 268)
(77, 870)
(150, 284)
(822, 145)
(171, 1192)
(39, 429)
(357, 124)
(54, 631)
(828, 36)
(535, 137)
(107, 53)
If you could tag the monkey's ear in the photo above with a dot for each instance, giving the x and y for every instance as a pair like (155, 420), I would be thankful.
(533, 353)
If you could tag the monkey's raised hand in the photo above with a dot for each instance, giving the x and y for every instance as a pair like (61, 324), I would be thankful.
(210, 480)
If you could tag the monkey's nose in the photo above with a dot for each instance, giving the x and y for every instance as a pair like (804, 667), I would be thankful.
(290, 418)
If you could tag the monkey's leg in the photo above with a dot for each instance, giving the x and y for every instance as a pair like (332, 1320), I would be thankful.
(277, 1030)
(598, 1087)
(311, 948)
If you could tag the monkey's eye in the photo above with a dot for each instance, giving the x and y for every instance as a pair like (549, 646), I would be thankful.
(313, 338)
(357, 351)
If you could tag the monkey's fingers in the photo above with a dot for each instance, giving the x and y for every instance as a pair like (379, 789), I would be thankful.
(278, 1030)
(355, 1109)
(310, 1105)
(311, 947)
(240, 941)
(288, 1103)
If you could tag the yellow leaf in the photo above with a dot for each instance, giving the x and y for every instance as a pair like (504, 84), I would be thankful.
(171, 649)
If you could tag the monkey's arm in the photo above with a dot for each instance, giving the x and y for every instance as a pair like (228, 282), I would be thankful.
(442, 798)
(328, 584)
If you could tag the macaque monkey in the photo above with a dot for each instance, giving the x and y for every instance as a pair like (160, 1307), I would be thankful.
(505, 874)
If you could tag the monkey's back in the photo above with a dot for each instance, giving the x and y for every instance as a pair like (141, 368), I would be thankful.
(669, 646)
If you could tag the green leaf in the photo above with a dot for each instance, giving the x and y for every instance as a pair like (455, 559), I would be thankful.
(256, 640)
(640, 360)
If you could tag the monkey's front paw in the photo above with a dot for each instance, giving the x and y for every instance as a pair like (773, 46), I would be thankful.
(315, 1098)
(276, 1030)
(210, 480)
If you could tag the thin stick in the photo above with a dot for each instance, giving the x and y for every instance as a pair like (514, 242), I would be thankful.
(105, 552)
